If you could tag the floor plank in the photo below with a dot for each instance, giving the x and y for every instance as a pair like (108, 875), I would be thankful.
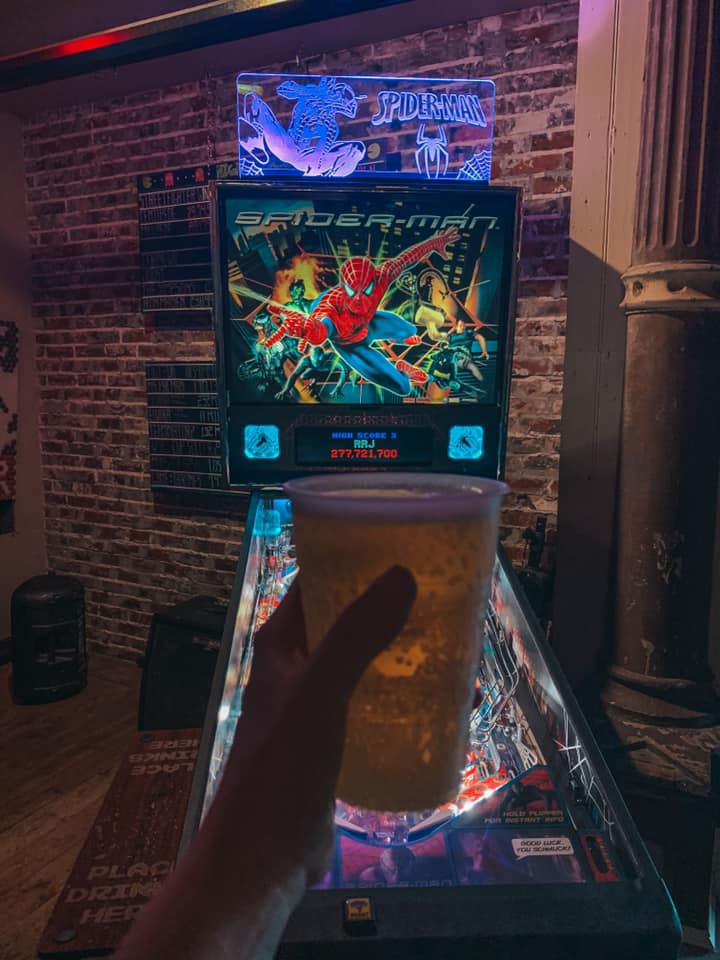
(57, 760)
(47, 820)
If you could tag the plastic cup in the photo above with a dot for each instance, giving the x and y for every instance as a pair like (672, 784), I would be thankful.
(407, 729)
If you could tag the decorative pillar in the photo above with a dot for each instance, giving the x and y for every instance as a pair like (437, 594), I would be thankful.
(670, 439)
(606, 150)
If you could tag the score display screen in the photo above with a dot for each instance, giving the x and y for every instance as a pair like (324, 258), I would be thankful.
(386, 447)
(363, 294)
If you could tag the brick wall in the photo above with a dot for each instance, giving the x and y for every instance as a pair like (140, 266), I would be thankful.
(103, 523)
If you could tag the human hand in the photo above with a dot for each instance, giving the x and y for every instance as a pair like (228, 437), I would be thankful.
(268, 834)
(298, 325)
(275, 803)
(445, 239)
(291, 323)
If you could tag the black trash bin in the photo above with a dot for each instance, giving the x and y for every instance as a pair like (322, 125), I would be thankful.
(49, 651)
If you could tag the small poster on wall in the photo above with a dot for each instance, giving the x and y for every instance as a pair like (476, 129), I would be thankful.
(8, 422)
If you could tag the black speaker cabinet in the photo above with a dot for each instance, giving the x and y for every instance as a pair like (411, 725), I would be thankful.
(179, 664)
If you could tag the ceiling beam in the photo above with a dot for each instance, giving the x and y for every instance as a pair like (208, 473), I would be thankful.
(193, 28)
(300, 46)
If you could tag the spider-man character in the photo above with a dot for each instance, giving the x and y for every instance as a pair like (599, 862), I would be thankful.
(349, 318)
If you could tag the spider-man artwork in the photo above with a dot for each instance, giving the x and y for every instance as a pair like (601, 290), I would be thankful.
(350, 297)
(349, 317)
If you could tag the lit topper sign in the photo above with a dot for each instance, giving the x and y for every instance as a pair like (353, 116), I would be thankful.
(322, 126)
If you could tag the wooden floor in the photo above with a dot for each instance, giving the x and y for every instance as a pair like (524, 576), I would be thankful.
(56, 763)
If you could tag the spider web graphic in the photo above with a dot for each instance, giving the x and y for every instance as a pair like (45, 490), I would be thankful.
(585, 785)
(501, 675)
(248, 168)
(582, 775)
(477, 167)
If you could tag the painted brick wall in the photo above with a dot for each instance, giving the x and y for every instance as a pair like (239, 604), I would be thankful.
(103, 524)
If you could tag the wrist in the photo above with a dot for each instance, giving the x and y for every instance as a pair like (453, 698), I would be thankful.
(248, 866)
(259, 919)
(195, 917)
(251, 905)
(216, 905)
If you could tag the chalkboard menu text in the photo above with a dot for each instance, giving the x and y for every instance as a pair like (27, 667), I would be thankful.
(184, 426)
(175, 250)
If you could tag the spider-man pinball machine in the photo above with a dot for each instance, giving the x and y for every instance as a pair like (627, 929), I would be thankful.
(370, 325)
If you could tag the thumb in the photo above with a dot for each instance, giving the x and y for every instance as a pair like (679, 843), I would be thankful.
(362, 631)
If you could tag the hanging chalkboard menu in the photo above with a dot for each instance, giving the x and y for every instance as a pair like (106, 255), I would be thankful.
(175, 250)
(184, 427)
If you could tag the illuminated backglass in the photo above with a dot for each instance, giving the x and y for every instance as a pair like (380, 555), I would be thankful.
(363, 324)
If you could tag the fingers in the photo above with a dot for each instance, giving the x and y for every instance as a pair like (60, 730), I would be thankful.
(291, 778)
(278, 335)
(315, 715)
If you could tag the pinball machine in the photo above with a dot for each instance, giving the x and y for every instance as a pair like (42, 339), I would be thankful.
(370, 325)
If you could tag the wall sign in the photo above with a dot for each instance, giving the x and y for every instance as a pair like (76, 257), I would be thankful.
(130, 849)
(184, 426)
(175, 253)
(322, 126)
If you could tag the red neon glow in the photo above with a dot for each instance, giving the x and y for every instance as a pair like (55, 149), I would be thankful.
(94, 42)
